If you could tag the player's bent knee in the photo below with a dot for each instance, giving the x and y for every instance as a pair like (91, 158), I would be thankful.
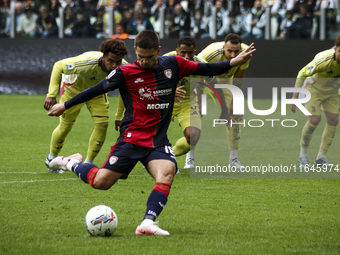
(314, 120)
(101, 122)
(170, 177)
(334, 121)
(192, 135)
(105, 179)
(65, 126)
(101, 184)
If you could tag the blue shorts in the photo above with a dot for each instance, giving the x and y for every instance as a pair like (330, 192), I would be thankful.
(124, 156)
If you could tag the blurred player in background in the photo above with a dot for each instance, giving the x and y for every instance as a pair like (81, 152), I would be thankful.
(220, 51)
(324, 71)
(186, 109)
(77, 74)
(147, 87)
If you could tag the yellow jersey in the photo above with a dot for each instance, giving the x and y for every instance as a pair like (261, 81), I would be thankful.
(214, 53)
(76, 74)
(325, 72)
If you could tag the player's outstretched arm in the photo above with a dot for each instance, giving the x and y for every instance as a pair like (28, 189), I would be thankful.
(244, 56)
(57, 110)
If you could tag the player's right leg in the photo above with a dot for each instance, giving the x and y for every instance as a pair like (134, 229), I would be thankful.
(314, 107)
(99, 109)
(306, 137)
(66, 122)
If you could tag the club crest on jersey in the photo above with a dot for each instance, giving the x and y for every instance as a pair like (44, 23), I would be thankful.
(113, 160)
(145, 93)
(168, 73)
(111, 74)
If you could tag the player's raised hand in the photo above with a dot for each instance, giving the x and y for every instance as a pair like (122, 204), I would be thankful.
(244, 56)
(49, 102)
(57, 110)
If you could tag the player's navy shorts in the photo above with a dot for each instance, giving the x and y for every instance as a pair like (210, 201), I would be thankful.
(124, 156)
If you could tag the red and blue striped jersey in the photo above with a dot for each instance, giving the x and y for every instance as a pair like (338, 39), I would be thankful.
(148, 97)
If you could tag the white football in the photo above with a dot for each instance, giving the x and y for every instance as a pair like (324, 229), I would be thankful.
(101, 220)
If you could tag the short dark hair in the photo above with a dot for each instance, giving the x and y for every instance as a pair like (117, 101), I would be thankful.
(115, 46)
(147, 39)
(233, 38)
(187, 40)
(337, 41)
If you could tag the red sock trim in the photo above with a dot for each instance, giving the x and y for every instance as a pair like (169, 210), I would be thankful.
(92, 175)
(162, 187)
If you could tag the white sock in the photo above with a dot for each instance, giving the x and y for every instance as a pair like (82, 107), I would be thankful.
(88, 161)
(51, 156)
(71, 163)
(190, 154)
(233, 154)
(146, 222)
(321, 155)
(303, 152)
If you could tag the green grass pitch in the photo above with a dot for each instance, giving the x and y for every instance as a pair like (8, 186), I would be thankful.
(43, 213)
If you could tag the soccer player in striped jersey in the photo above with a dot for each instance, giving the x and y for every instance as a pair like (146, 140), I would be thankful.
(147, 87)
(77, 74)
(230, 48)
(324, 70)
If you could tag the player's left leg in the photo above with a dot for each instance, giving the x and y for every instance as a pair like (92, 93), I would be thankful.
(162, 166)
(120, 162)
(233, 136)
(193, 135)
(99, 109)
(190, 121)
(182, 145)
(188, 141)
(314, 107)
(331, 110)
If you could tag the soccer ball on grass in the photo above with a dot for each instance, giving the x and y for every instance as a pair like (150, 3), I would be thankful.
(101, 220)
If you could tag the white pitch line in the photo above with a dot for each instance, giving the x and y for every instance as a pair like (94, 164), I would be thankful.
(69, 179)
(25, 173)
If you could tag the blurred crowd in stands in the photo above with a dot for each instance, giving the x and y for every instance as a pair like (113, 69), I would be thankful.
(289, 19)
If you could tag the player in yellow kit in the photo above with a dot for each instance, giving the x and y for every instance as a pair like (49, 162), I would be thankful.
(220, 51)
(186, 109)
(324, 70)
(77, 74)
